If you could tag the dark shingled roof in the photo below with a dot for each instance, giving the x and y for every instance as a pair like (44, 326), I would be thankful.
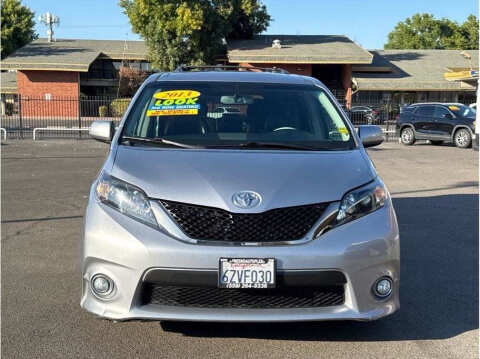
(8, 82)
(414, 70)
(70, 54)
(313, 49)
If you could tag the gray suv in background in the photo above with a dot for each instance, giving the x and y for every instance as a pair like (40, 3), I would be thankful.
(268, 211)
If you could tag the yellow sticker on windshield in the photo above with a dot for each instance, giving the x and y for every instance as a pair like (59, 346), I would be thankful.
(453, 108)
(176, 94)
(173, 112)
(174, 103)
(343, 130)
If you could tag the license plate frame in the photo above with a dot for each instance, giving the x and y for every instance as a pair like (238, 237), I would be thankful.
(247, 273)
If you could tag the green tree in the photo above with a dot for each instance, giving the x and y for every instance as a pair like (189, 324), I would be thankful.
(17, 26)
(245, 19)
(469, 33)
(192, 32)
(423, 31)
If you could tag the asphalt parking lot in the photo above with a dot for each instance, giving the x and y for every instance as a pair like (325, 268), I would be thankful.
(44, 191)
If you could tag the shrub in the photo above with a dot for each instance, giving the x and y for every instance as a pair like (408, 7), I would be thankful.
(9, 108)
(103, 111)
(119, 106)
(130, 80)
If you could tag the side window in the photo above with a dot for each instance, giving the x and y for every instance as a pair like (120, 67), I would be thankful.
(440, 111)
(425, 111)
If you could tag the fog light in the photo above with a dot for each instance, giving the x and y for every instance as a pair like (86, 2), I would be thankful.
(383, 287)
(101, 285)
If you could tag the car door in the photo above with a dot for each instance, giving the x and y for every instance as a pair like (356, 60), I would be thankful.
(444, 121)
(424, 122)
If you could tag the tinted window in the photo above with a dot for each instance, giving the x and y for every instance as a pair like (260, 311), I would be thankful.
(463, 111)
(424, 111)
(407, 109)
(233, 114)
(441, 111)
(360, 108)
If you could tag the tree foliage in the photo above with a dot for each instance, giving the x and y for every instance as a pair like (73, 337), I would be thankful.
(193, 32)
(17, 26)
(423, 31)
(469, 33)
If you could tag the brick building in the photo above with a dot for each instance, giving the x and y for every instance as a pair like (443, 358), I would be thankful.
(70, 68)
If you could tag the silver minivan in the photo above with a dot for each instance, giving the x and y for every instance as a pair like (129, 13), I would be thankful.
(268, 210)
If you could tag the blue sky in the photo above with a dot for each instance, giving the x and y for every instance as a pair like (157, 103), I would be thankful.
(365, 21)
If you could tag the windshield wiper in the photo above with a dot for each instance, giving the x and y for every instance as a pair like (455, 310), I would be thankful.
(255, 144)
(158, 140)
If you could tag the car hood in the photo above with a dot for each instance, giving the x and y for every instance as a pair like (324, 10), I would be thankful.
(211, 177)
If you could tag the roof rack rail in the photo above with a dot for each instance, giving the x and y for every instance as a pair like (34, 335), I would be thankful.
(185, 68)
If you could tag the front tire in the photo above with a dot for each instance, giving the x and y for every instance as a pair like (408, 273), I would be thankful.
(407, 136)
(462, 138)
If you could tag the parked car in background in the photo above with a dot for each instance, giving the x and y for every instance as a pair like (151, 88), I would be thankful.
(364, 115)
(437, 122)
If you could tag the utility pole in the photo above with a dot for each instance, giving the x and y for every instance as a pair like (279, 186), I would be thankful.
(49, 20)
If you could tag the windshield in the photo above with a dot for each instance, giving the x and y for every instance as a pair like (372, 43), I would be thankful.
(462, 111)
(236, 115)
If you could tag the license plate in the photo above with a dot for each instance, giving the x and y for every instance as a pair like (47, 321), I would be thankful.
(256, 273)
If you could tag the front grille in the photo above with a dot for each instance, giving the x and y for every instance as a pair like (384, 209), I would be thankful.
(202, 297)
(214, 224)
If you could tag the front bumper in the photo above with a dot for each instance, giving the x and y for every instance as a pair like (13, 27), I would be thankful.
(126, 251)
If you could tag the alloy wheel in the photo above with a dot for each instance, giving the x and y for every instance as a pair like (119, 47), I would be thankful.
(462, 138)
(407, 136)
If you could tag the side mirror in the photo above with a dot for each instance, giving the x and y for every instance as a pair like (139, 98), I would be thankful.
(370, 135)
(448, 116)
(102, 130)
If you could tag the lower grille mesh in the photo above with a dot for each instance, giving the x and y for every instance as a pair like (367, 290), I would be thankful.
(200, 297)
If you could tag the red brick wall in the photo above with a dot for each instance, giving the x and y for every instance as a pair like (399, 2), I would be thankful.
(299, 69)
(49, 93)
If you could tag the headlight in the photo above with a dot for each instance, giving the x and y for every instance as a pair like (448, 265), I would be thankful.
(124, 197)
(361, 201)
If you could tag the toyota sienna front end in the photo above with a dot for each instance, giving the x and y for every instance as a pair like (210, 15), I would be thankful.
(238, 196)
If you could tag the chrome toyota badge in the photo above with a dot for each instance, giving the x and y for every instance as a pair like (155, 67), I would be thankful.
(246, 199)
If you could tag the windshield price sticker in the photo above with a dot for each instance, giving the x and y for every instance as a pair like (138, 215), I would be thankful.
(174, 103)
(251, 273)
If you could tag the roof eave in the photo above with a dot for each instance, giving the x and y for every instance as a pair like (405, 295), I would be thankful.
(266, 59)
(116, 56)
(44, 67)
(363, 88)
(8, 90)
